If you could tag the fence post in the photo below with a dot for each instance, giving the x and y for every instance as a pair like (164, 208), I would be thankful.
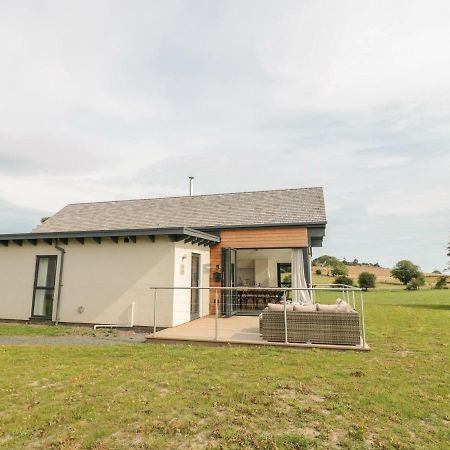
(154, 312)
(363, 325)
(285, 319)
(353, 299)
(216, 316)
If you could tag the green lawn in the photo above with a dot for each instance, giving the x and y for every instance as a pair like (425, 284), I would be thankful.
(167, 396)
(13, 329)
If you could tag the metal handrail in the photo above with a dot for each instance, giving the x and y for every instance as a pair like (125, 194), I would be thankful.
(337, 284)
(345, 289)
(260, 288)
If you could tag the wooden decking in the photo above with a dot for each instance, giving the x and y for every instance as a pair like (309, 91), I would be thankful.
(240, 330)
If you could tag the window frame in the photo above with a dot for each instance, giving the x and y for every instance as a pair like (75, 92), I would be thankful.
(45, 288)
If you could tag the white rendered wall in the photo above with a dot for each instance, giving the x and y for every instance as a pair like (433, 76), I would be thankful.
(261, 272)
(182, 278)
(105, 279)
(101, 281)
(17, 269)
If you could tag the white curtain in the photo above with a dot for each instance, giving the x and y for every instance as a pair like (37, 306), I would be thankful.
(298, 277)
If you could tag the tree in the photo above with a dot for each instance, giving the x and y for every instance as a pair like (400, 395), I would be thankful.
(343, 280)
(43, 219)
(405, 271)
(441, 283)
(448, 254)
(339, 269)
(366, 280)
(326, 260)
(415, 283)
(437, 271)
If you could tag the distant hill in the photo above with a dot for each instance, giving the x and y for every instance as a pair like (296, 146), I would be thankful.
(383, 274)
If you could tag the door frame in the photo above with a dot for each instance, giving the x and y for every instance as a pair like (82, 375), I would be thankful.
(36, 288)
(279, 266)
(229, 297)
(196, 315)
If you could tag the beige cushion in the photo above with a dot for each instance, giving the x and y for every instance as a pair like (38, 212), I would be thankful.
(280, 307)
(343, 306)
(304, 308)
(326, 308)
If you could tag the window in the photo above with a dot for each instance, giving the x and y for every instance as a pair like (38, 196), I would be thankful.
(284, 275)
(44, 287)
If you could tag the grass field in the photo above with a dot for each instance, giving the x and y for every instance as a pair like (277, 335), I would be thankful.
(165, 396)
(380, 285)
(383, 274)
(384, 280)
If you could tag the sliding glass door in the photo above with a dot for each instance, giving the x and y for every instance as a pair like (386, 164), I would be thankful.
(44, 287)
(229, 297)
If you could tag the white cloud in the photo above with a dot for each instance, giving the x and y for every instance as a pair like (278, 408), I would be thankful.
(359, 55)
(406, 204)
(111, 100)
(383, 162)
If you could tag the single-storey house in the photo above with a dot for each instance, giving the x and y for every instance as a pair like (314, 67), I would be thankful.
(95, 263)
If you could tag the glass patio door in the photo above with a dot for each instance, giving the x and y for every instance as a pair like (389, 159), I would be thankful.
(44, 287)
(195, 282)
(229, 297)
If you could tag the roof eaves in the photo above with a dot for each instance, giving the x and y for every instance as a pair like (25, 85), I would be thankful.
(107, 233)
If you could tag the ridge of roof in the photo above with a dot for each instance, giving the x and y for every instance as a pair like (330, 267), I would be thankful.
(197, 195)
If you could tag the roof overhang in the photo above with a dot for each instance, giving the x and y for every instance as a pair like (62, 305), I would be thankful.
(316, 235)
(265, 225)
(175, 234)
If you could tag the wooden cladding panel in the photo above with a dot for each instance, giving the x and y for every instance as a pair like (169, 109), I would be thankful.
(215, 259)
(271, 237)
(278, 237)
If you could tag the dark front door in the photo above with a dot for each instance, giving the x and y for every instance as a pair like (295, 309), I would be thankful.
(195, 282)
(229, 296)
(44, 287)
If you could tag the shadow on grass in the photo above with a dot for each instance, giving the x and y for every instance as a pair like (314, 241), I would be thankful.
(428, 306)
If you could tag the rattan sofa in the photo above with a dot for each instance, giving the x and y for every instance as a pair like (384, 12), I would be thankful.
(318, 327)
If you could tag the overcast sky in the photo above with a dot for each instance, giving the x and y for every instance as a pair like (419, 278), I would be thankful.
(103, 100)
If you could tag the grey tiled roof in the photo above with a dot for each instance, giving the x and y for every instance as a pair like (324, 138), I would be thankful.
(279, 207)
